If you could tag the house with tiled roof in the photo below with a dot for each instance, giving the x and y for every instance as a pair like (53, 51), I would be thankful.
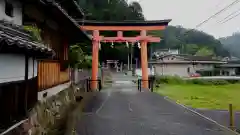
(31, 65)
(184, 65)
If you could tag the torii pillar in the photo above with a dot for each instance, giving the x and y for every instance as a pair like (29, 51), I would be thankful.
(95, 50)
(144, 60)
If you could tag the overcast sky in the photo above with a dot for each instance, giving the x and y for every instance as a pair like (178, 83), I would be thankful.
(189, 13)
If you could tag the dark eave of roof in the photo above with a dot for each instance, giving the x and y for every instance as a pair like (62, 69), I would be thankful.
(72, 7)
(15, 35)
(186, 62)
(56, 7)
(227, 65)
(63, 11)
(125, 23)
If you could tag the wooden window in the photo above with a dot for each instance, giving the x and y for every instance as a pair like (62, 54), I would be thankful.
(8, 8)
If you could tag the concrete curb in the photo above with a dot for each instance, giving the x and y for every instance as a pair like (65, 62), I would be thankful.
(199, 114)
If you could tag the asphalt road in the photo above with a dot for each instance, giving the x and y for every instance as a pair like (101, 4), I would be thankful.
(125, 111)
(221, 116)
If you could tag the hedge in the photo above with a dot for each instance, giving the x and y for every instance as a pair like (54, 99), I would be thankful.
(178, 80)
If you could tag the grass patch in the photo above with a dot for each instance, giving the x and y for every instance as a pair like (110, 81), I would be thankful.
(203, 96)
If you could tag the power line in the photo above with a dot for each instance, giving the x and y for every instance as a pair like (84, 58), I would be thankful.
(231, 18)
(213, 16)
(227, 17)
(219, 12)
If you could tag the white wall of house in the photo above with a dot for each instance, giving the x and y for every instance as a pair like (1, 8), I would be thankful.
(179, 69)
(17, 12)
(174, 65)
(172, 69)
(12, 68)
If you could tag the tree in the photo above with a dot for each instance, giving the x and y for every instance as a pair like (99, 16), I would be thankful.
(87, 63)
(113, 10)
(204, 52)
(232, 44)
(173, 37)
(191, 49)
(76, 56)
(188, 41)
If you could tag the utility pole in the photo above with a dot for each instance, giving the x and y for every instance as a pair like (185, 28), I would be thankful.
(131, 57)
(151, 51)
(136, 62)
(128, 62)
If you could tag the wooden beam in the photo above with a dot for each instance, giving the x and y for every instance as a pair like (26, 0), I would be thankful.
(26, 83)
(122, 28)
(128, 39)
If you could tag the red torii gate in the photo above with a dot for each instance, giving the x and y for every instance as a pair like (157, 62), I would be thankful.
(142, 26)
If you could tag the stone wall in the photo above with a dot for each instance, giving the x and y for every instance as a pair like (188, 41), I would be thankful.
(48, 117)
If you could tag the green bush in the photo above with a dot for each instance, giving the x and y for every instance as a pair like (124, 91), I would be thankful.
(169, 80)
(199, 82)
(207, 82)
(178, 80)
(219, 82)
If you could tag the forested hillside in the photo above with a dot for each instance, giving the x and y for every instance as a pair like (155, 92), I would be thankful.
(193, 42)
(232, 43)
(190, 42)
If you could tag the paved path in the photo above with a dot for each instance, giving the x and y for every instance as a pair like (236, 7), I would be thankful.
(125, 111)
(221, 116)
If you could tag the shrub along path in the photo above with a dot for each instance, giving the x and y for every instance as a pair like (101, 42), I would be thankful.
(124, 110)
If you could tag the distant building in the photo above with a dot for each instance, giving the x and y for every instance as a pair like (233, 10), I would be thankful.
(231, 68)
(183, 65)
(162, 52)
(230, 59)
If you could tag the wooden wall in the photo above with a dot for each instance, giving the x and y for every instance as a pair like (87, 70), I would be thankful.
(51, 71)
(16, 100)
(49, 74)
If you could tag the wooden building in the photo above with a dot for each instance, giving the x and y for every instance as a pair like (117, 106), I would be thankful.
(58, 31)
(27, 66)
(18, 71)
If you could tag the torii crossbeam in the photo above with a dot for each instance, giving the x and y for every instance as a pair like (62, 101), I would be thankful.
(142, 26)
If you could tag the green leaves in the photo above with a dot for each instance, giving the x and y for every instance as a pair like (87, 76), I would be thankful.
(204, 52)
(112, 10)
(76, 56)
(35, 32)
(189, 42)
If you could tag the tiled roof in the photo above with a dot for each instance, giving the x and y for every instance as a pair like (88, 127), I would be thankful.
(190, 57)
(198, 58)
(15, 35)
